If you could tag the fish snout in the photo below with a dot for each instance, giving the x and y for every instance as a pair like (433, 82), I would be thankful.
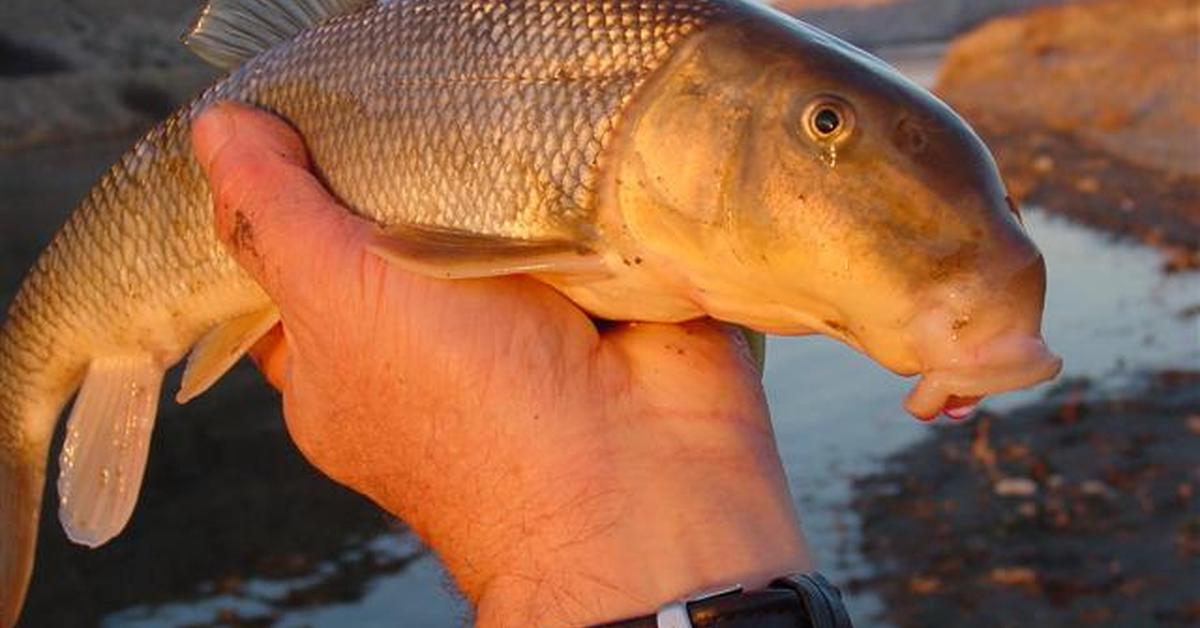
(1007, 363)
(994, 345)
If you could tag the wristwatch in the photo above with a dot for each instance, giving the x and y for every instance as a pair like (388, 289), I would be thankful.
(797, 601)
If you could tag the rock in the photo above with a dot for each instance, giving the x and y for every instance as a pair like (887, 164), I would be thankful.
(924, 586)
(1013, 576)
(1015, 487)
(1096, 488)
(1094, 121)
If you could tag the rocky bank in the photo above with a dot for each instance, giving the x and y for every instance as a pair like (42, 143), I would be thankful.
(1093, 111)
(1080, 510)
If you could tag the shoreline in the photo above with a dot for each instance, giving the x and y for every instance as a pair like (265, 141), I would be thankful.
(1081, 508)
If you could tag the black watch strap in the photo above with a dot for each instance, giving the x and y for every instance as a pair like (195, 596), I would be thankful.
(822, 601)
(798, 601)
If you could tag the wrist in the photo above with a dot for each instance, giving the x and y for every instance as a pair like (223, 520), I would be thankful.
(653, 524)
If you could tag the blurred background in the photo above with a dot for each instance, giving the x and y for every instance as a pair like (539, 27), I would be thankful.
(1071, 505)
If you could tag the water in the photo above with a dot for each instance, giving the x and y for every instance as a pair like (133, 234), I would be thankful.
(1109, 312)
(380, 607)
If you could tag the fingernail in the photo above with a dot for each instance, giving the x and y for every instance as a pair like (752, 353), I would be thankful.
(213, 129)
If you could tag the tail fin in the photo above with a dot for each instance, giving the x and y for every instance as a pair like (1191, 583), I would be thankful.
(28, 413)
(21, 484)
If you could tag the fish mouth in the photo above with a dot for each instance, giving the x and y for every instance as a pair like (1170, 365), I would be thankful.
(1006, 364)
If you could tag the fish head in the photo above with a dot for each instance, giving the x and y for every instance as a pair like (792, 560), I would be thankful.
(805, 186)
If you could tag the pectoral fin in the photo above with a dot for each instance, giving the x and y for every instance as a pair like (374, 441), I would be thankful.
(448, 254)
(108, 438)
(221, 348)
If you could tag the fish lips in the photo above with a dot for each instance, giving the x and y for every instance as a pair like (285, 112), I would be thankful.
(1005, 364)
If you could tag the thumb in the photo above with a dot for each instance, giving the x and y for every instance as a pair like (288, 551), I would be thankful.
(275, 218)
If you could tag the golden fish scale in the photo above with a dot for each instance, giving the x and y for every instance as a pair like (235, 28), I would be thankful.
(485, 116)
(488, 117)
(138, 243)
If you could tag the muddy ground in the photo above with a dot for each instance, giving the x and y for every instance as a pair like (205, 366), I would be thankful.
(1080, 510)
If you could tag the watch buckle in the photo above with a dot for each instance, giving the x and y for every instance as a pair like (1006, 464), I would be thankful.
(676, 614)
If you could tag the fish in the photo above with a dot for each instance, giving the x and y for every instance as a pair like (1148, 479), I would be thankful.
(652, 160)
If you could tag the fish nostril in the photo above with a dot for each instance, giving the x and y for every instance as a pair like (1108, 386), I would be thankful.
(910, 137)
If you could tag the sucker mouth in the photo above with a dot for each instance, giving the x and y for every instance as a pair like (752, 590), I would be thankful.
(956, 389)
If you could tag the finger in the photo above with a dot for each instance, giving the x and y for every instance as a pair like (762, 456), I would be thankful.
(272, 214)
(270, 356)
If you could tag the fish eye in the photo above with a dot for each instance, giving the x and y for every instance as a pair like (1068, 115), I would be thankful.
(828, 119)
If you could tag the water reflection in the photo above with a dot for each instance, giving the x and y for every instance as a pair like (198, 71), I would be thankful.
(329, 593)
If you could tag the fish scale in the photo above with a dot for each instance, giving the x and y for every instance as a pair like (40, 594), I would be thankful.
(526, 93)
(515, 81)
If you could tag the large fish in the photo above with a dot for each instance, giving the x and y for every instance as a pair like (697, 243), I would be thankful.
(654, 160)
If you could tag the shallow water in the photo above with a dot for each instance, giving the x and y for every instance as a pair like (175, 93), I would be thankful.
(1109, 312)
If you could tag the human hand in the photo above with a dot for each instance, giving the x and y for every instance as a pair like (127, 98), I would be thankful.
(564, 475)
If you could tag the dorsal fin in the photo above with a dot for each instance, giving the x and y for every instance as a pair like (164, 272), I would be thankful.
(226, 33)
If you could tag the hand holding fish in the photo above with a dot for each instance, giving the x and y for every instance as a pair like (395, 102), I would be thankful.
(652, 160)
(563, 474)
